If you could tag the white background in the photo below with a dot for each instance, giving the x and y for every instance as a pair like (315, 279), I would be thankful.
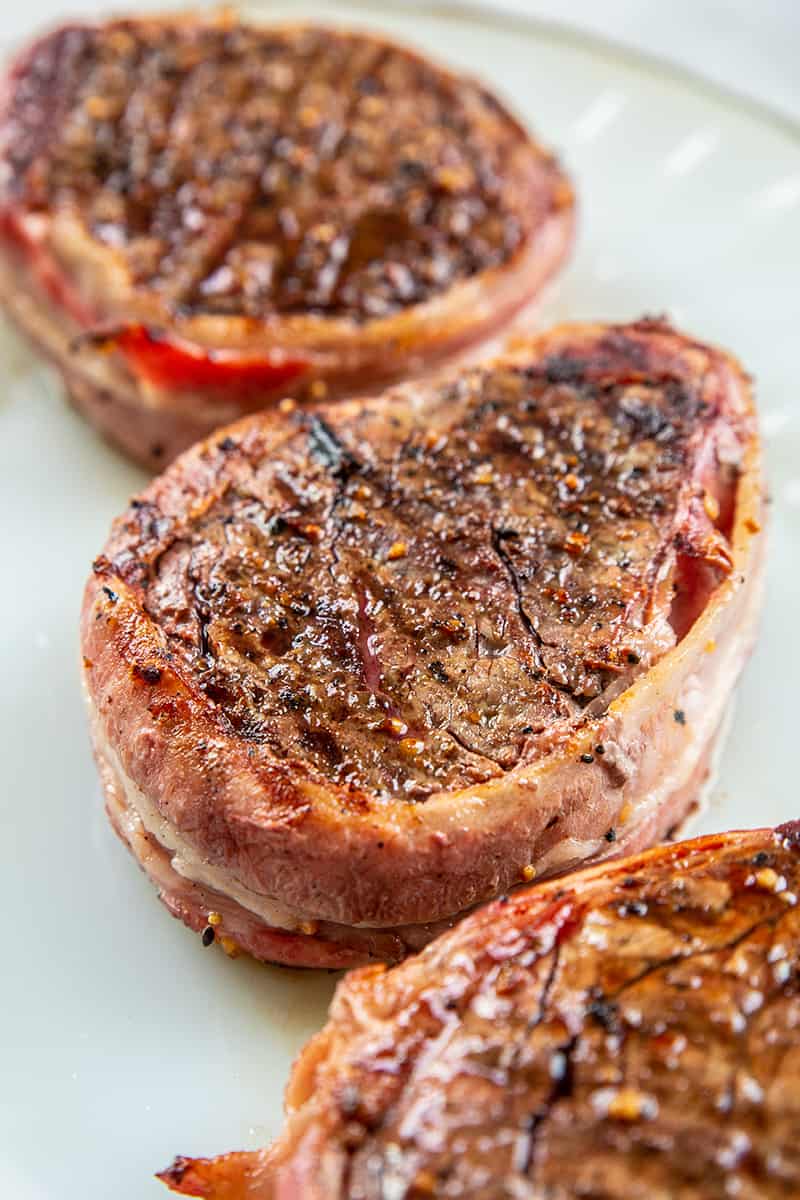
(752, 46)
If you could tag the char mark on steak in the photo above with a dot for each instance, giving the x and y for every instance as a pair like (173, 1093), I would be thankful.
(326, 448)
(628, 1032)
(498, 537)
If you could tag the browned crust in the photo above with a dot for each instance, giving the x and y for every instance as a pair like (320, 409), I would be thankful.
(663, 989)
(339, 352)
(182, 143)
(265, 821)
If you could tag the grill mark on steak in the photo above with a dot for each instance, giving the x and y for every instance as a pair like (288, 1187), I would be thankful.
(256, 171)
(232, 228)
(441, 593)
(366, 632)
(497, 546)
(562, 1080)
(561, 1090)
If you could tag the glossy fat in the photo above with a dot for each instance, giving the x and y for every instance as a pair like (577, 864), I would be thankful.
(630, 1033)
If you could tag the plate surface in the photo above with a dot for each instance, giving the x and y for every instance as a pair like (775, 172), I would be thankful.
(122, 1042)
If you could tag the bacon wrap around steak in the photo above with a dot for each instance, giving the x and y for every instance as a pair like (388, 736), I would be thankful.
(200, 217)
(629, 1033)
(354, 670)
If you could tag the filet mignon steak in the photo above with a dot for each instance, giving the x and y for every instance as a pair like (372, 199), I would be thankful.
(200, 217)
(355, 670)
(630, 1033)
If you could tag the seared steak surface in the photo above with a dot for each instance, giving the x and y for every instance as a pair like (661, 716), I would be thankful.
(235, 170)
(352, 671)
(408, 599)
(630, 1033)
(200, 218)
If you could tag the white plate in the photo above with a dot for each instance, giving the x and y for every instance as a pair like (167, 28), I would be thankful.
(121, 1040)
